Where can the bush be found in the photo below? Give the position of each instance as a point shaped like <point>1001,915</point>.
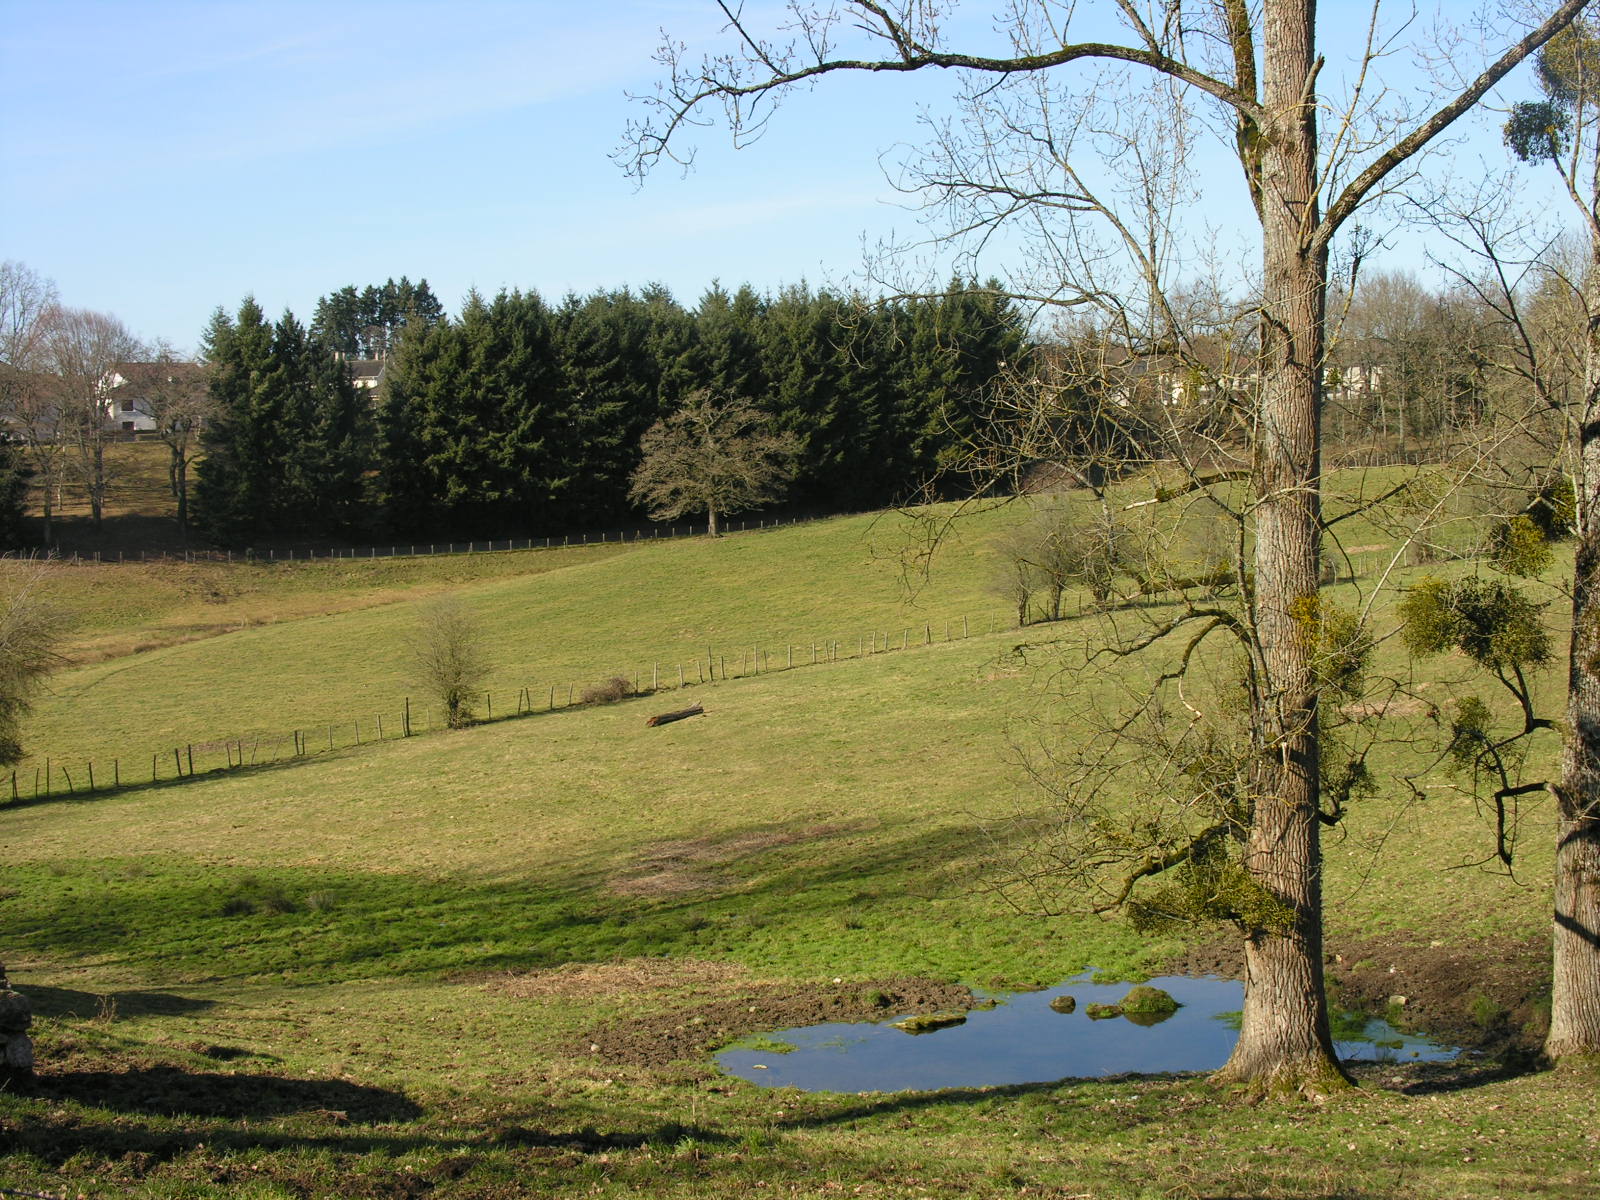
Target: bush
<point>608,691</point>
<point>450,659</point>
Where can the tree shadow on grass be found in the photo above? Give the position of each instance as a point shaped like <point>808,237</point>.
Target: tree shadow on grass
<point>227,923</point>
<point>886,1103</point>
<point>68,1002</point>
<point>1433,1078</point>
<point>168,1091</point>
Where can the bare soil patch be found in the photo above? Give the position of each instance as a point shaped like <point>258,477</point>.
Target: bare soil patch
<point>577,981</point>
<point>681,867</point>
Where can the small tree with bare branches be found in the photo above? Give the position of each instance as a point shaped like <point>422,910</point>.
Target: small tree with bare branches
<point>450,658</point>
<point>30,632</point>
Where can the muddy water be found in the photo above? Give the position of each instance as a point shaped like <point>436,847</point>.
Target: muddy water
<point>1023,1040</point>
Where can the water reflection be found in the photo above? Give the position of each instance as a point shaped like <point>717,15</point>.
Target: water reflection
<point>1023,1040</point>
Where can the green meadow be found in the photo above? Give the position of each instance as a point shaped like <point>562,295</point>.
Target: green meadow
<point>383,970</point>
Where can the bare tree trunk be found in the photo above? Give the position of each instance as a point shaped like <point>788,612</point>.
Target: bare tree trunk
<point>97,480</point>
<point>1575,1000</point>
<point>180,489</point>
<point>711,521</point>
<point>1284,1040</point>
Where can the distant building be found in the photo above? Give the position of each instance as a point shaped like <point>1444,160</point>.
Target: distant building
<point>128,407</point>
<point>366,373</point>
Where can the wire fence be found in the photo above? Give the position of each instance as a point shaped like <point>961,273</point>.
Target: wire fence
<point>53,777</point>
<point>316,552</point>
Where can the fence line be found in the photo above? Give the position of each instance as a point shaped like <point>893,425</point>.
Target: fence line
<point>260,750</point>
<point>394,549</point>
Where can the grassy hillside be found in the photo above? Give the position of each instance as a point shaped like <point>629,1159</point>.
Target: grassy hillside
<point>311,644</point>
<point>384,971</point>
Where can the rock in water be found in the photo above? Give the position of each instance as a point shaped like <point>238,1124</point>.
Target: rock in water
<point>928,1022</point>
<point>1147,999</point>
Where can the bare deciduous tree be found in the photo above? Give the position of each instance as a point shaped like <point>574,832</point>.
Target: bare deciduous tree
<point>1251,72</point>
<point>712,456</point>
<point>27,403</point>
<point>82,351</point>
<point>176,395</point>
<point>1546,297</point>
<point>450,658</point>
<point>30,632</point>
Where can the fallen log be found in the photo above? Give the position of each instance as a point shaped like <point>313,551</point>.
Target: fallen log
<point>669,717</point>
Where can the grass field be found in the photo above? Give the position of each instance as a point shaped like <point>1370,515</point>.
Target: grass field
<point>380,971</point>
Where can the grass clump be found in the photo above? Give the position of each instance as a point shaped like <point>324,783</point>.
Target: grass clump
<point>1147,999</point>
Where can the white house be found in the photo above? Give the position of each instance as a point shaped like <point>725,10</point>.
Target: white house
<point>127,407</point>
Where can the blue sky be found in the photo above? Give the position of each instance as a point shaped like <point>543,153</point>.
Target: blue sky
<point>160,159</point>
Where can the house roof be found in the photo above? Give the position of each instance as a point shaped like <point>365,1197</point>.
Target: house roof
<point>365,370</point>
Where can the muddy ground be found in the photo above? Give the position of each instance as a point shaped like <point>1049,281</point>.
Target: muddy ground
<point>1488,995</point>
<point>725,1003</point>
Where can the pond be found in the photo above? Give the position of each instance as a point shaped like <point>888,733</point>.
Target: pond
<point>1023,1040</point>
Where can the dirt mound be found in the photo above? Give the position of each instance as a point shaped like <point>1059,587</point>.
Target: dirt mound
<point>712,1021</point>
<point>1489,994</point>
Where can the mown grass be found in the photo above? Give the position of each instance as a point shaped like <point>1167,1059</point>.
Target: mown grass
<point>287,980</point>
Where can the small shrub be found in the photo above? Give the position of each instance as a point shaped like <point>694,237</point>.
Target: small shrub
<point>450,658</point>
<point>608,691</point>
<point>320,901</point>
<point>1485,1012</point>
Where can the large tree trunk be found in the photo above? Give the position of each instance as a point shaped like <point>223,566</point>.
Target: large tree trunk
<point>1575,999</point>
<point>1284,1041</point>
